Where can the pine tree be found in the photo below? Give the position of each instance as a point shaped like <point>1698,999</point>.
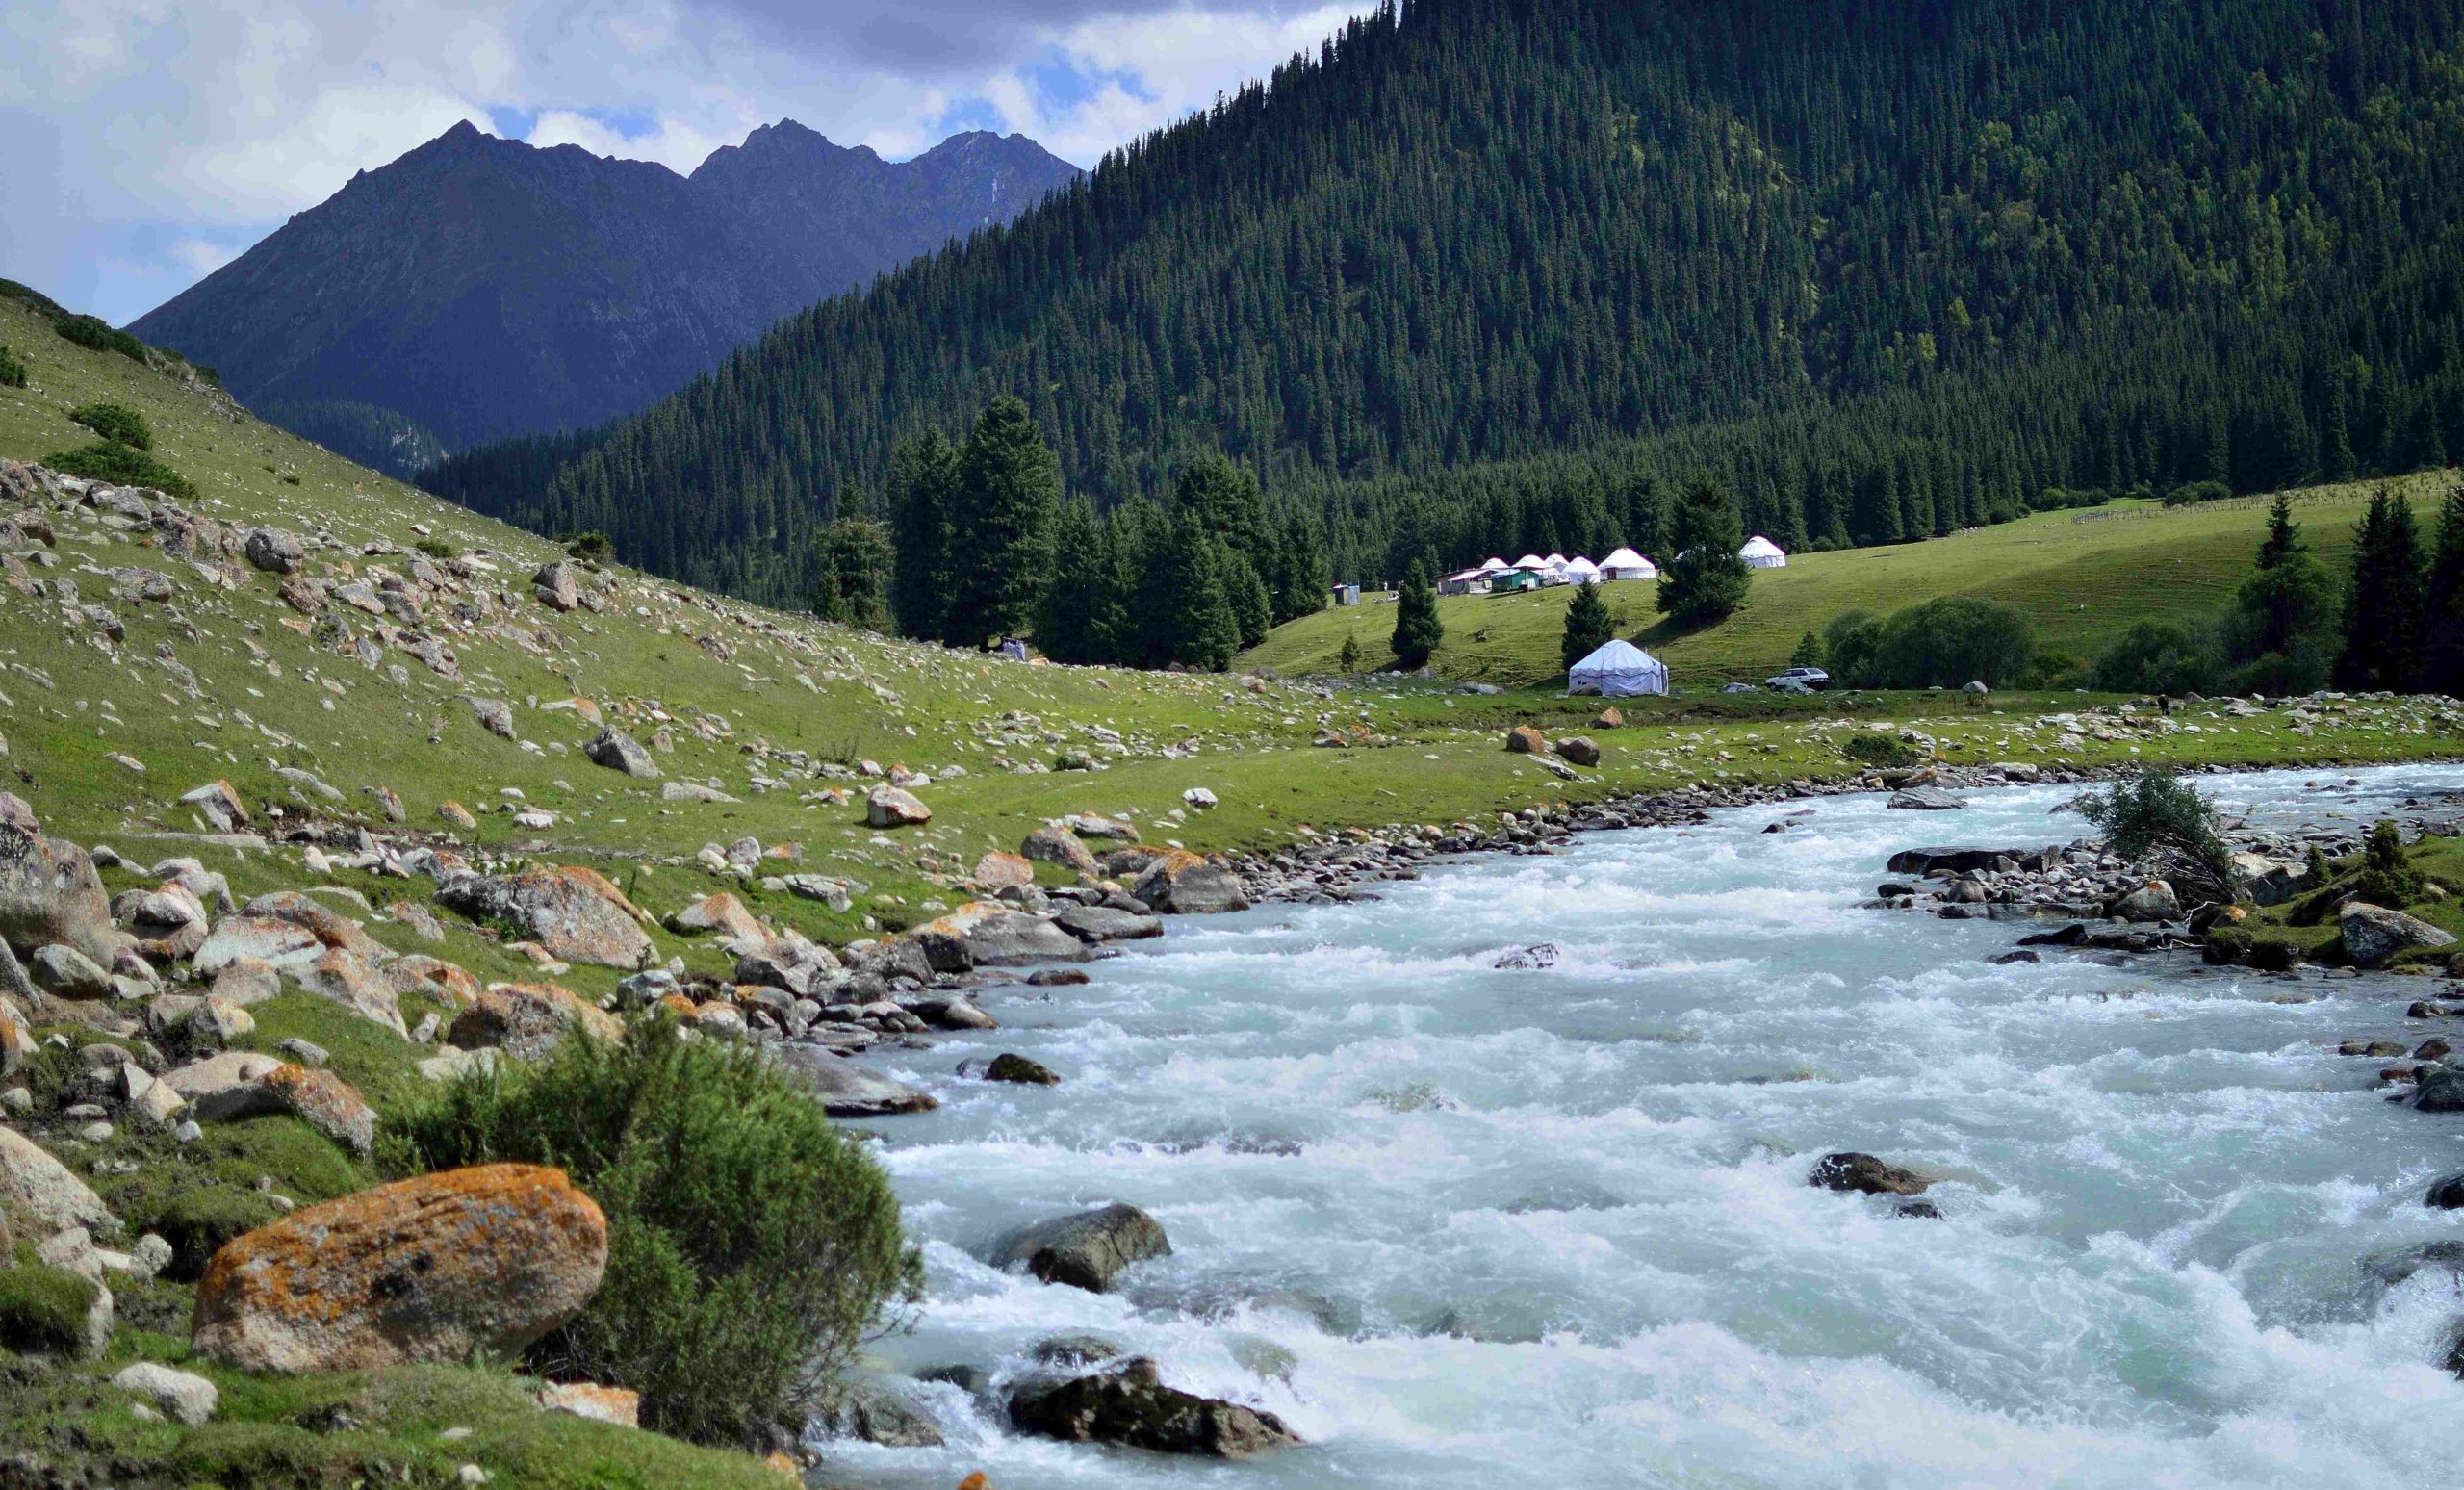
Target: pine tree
<point>2336,461</point>
<point>1071,622</point>
<point>2288,598</point>
<point>852,565</point>
<point>1589,626</point>
<point>1809,653</point>
<point>1252,608</point>
<point>923,484</point>
<point>2383,605</point>
<point>1417,629</point>
<point>2443,606</point>
<point>1707,581</point>
<point>1009,489</point>
<point>1349,659</point>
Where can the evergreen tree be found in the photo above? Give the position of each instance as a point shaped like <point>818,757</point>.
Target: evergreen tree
<point>2288,601</point>
<point>1009,489</point>
<point>1306,577</point>
<point>1809,653</point>
<point>1589,626</point>
<point>923,485</point>
<point>1071,622</point>
<point>2383,605</point>
<point>853,569</point>
<point>1705,581</point>
<point>2443,606</point>
<point>1349,659</point>
<point>2336,461</point>
<point>1417,627</point>
<point>1252,608</point>
<point>1187,617</point>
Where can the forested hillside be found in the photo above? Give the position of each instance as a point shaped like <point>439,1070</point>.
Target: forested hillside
<point>1488,276</point>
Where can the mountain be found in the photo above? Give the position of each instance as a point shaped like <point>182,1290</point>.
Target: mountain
<point>480,287</point>
<point>1475,269</point>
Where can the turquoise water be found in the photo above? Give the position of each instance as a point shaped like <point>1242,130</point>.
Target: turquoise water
<point>1551,1229</point>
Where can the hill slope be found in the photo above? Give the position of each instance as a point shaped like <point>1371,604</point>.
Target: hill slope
<point>478,288</point>
<point>1889,270</point>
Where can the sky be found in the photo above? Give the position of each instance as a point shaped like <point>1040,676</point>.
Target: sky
<point>150,141</point>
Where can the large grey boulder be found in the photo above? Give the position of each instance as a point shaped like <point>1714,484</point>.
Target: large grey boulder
<point>577,914</point>
<point>2441,1090</point>
<point>36,1188</point>
<point>275,550</point>
<point>1087,1250</point>
<point>1059,846</point>
<point>49,892</point>
<point>184,1397</point>
<point>618,751</point>
<point>844,1089</point>
<point>2267,882</point>
<point>1103,923</point>
<point>894,807</point>
<point>554,588</point>
<point>1182,884</point>
<point>2153,901</point>
<point>2373,934</point>
<point>1926,799</point>
<point>986,934</point>
<point>1129,1407</point>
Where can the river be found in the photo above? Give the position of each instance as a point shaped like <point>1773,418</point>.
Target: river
<point>1550,1229</point>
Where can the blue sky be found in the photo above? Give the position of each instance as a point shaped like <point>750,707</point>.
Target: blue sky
<point>152,140</point>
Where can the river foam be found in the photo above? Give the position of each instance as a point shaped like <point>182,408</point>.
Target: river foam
<point>1550,1229</point>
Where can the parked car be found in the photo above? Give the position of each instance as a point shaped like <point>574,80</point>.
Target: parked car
<point>1795,678</point>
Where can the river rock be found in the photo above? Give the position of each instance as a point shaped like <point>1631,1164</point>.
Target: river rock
<point>1129,1407</point>
<point>50,895</point>
<point>1026,1072</point>
<point>998,870</point>
<point>894,807</point>
<point>846,1090</point>
<point>1087,1250</point>
<point>879,1413</point>
<point>1103,923</point>
<point>2448,1194</point>
<point>1865,1174</point>
<point>2373,934</point>
<point>435,1269</point>
<point>184,1397</point>
<point>987,934</point>
<point>578,914</point>
<point>1925,799</point>
<point>1182,884</point>
<point>2441,1090</point>
<point>618,751</point>
<point>618,1407</point>
<point>526,1019</point>
<point>2267,882</point>
<point>2153,901</point>
<point>37,1189</point>
<point>1059,846</point>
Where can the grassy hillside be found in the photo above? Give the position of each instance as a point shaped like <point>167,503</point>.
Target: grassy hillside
<point>2084,578</point>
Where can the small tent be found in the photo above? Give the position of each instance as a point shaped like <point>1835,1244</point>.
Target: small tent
<point>1531,564</point>
<point>1619,670</point>
<point>1581,571</point>
<point>1760,552</point>
<point>1626,564</point>
<point>1493,566</point>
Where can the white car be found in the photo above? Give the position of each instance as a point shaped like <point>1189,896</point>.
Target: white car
<point>1795,678</point>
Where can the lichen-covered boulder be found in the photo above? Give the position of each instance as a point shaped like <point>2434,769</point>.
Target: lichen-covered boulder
<point>578,914</point>
<point>321,1100</point>
<point>998,870</point>
<point>987,934</point>
<point>49,893</point>
<point>40,1192</point>
<point>1179,882</point>
<point>1059,846</point>
<point>433,977</point>
<point>894,807</point>
<point>2373,934</point>
<point>526,1019</point>
<point>1526,740</point>
<point>276,550</point>
<point>426,1270</point>
<point>288,931</point>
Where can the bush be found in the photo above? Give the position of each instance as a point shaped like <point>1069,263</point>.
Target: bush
<point>2157,657</point>
<point>593,544</point>
<point>752,1247</point>
<point>107,460</point>
<point>1875,748</point>
<point>2190,493</point>
<point>435,549</point>
<point>42,1309</point>
<point>2153,808</point>
<point>1954,640</point>
<point>2387,876</point>
<point>100,335</point>
<point>1853,641</point>
<point>13,372</point>
<point>114,422</point>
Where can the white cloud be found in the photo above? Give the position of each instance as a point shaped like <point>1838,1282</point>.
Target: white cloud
<point>677,147</point>
<point>198,258</point>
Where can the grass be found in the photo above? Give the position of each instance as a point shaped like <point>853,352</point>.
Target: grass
<point>2083,578</point>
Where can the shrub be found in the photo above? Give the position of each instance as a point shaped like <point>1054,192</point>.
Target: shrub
<point>13,372</point>
<point>752,1247</point>
<point>2157,657</point>
<point>100,335</point>
<point>1875,748</point>
<point>1954,640</point>
<point>2387,876</point>
<point>1349,659</point>
<point>2153,808</point>
<point>109,460</point>
<point>593,544</point>
<point>42,1309</point>
<point>434,547</point>
<point>114,422</point>
<point>1853,640</point>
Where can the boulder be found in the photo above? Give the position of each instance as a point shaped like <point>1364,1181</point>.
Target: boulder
<point>39,1189</point>
<point>618,751</point>
<point>799,968</point>
<point>50,895</point>
<point>495,715</point>
<point>1094,825</point>
<point>2153,901</point>
<point>246,980</point>
<point>1925,799</point>
<point>430,977</point>
<point>1609,719</point>
<point>1087,1250</point>
<point>2447,1195</point>
<point>64,972</point>
<point>341,977</point>
<point>1129,1407</point>
<point>621,1406</point>
<point>275,550</point>
<point>879,1413</point>
<point>894,807</point>
<point>183,1396</point>
<point>998,870</point>
<point>2267,882</point>
<point>721,913</point>
<point>846,1090</point>
<point>1865,1174</point>
<point>219,803</point>
<point>1182,884</point>
<point>1059,846</point>
<point>987,934</point>
<point>1581,750</point>
<point>288,931</point>
<point>555,587</point>
<point>2440,1090</point>
<point>1923,861</point>
<point>1526,740</point>
<point>2373,934</point>
<point>321,1100</point>
<point>1013,1067</point>
<point>526,1019</point>
<point>1103,923</point>
<point>436,1268</point>
<point>575,913</point>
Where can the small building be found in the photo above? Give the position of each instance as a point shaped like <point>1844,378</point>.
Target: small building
<point>1760,552</point>
<point>1495,566</point>
<point>1626,564</point>
<point>1470,582</point>
<point>1517,579</point>
<point>1619,670</point>
<point>1346,594</point>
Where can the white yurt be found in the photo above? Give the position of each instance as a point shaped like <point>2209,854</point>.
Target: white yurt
<point>1495,566</point>
<point>1531,561</point>
<point>1619,670</point>
<point>1581,571</point>
<point>1626,564</point>
<point>1760,552</point>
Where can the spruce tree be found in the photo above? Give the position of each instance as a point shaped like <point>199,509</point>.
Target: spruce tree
<point>1809,653</point>
<point>1417,627</point>
<point>2443,607</point>
<point>1069,622</point>
<point>1349,659</point>
<point>923,483</point>
<point>1009,489</point>
<point>851,567</point>
<point>2282,606</point>
<point>2383,605</point>
<point>1252,608</point>
<point>1705,581</point>
<point>1589,626</point>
